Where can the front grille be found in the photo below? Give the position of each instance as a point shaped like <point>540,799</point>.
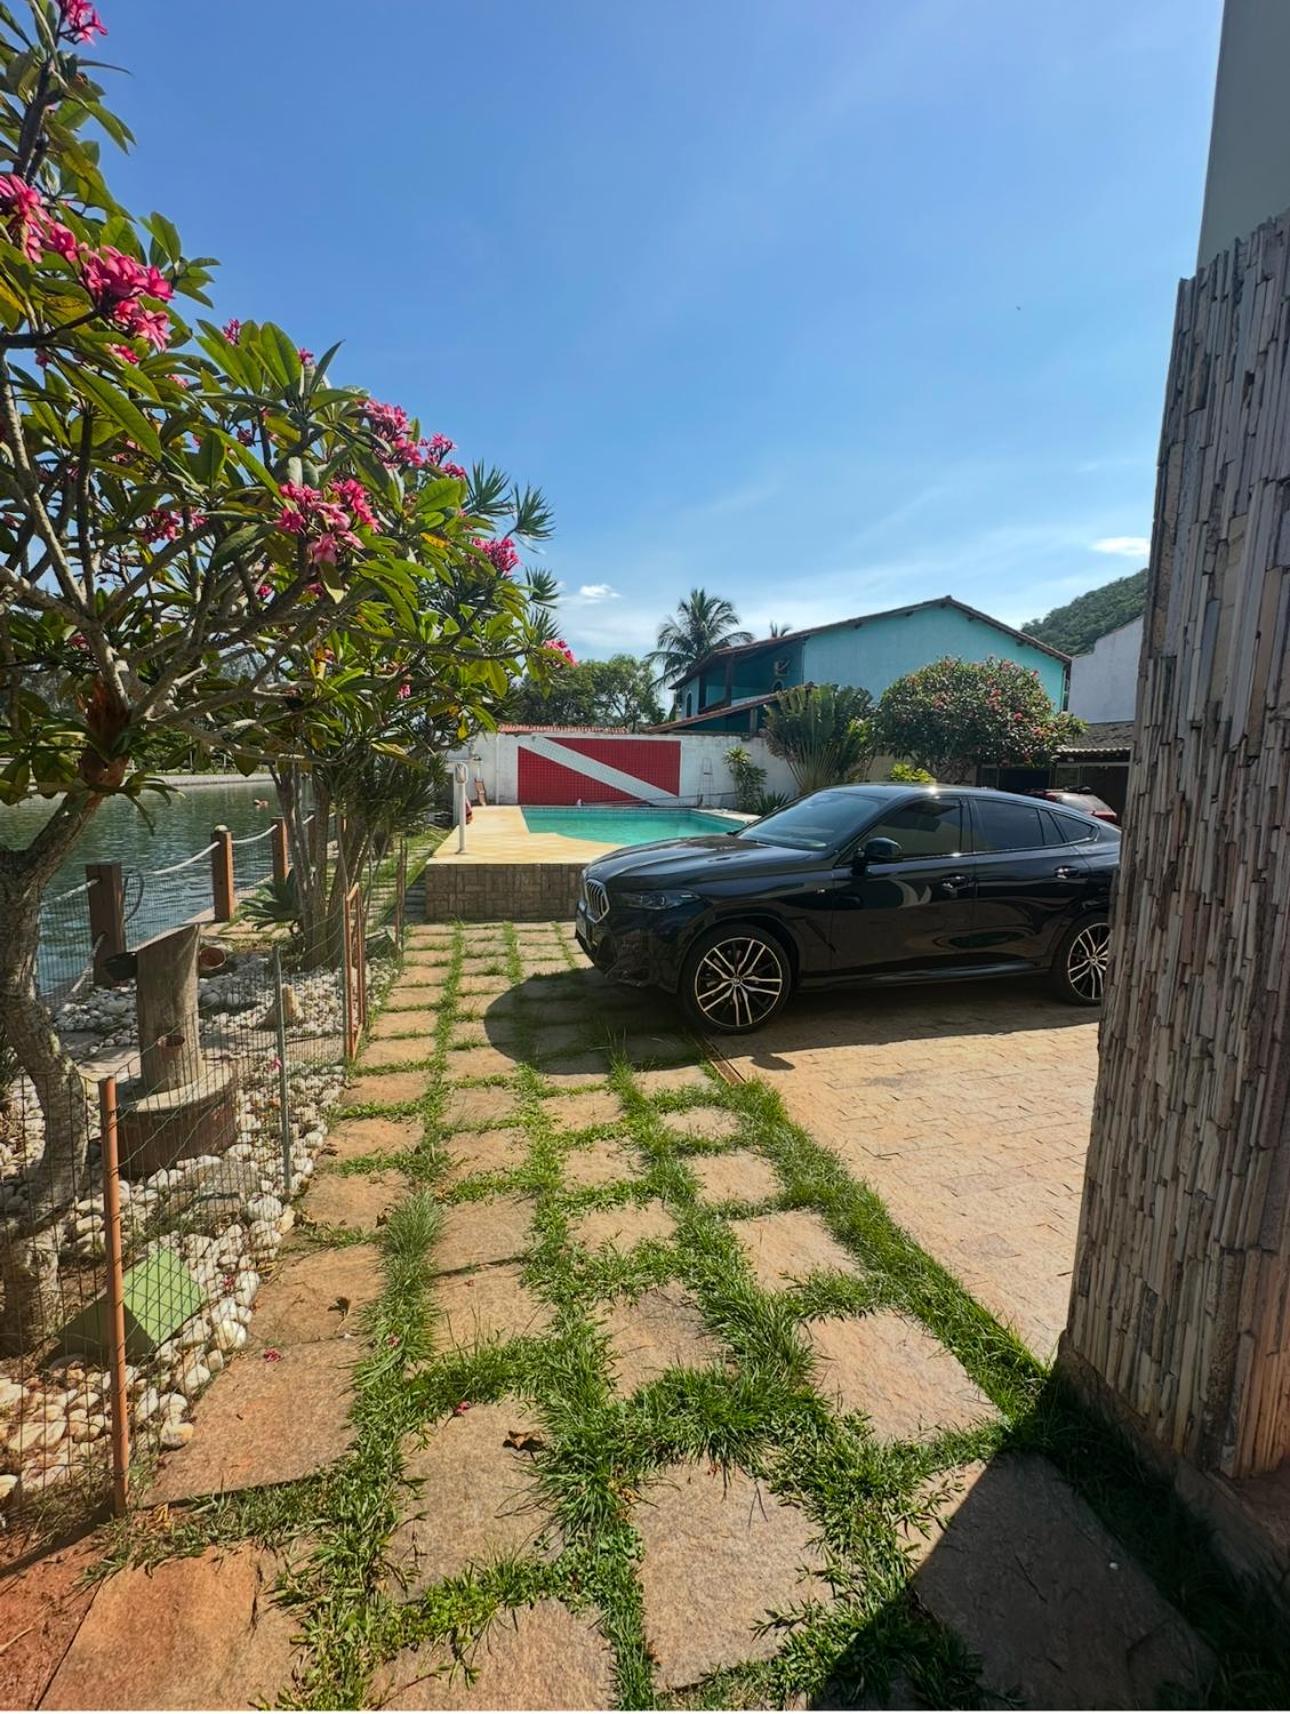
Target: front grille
<point>595,898</point>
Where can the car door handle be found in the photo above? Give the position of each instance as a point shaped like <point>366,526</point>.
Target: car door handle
<point>1066,872</point>
<point>952,883</point>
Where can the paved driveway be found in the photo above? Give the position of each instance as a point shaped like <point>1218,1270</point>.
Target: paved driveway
<point>967,1109</point>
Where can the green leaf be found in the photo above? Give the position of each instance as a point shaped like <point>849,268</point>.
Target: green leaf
<point>166,235</point>
<point>114,403</point>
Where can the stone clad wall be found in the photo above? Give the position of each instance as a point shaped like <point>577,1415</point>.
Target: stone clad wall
<point>1181,1299</point>
<point>501,892</point>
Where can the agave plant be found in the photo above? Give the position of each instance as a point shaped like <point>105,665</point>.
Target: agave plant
<point>824,732</point>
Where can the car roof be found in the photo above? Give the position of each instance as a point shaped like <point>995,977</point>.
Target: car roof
<point>938,788</point>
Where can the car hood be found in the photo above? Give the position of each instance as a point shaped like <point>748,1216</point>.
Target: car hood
<point>682,862</point>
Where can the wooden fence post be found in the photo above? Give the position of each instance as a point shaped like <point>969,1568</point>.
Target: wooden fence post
<point>107,917</point>
<point>278,844</point>
<point>223,890</point>
<point>119,1392</point>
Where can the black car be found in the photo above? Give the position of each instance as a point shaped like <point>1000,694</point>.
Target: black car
<point>857,884</point>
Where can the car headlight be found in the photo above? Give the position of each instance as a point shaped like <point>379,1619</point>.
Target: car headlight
<point>656,901</point>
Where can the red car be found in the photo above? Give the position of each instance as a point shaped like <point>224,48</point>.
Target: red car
<point>1089,802</point>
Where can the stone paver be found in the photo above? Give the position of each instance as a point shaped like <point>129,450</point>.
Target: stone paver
<point>576,1071</point>
<point>483,1151</point>
<point>891,1368</point>
<point>351,1139</point>
<point>623,1227</point>
<point>473,1496</point>
<point>387,1089</point>
<point>542,1656</point>
<point>415,998</point>
<point>190,1633</point>
<point>405,1026</point>
<point>487,1305</point>
<point>671,1080</point>
<point>475,1234</point>
<point>740,1176</point>
<point>396,1050</point>
<point>1059,1614</point>
<point>318,1295</point>
<point>967,1109</point>
<point>357,1199</point>
<point>480,1107</point>
<point>712,1124</point>
<point>782,1249</point>
<point>662,1330</point>
<point>578,1112</point>
<point>270,1419</point>
<point>485,1059</point>
<point>721,1555</point>
<point>599,1164</point>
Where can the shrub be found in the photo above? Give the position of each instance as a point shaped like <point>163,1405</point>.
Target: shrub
<point>824,732</point>
<point>954,716</point>
<point>749,780</point>
<point>903,774</point>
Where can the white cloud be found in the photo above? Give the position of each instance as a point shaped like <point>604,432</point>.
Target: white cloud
<point>597,592</point>
<point>1125,547</point>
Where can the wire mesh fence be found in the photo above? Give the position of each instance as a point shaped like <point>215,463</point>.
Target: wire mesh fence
<point>143,1199</point>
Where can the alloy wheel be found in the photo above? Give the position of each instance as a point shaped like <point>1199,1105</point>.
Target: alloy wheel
<point>738,983</point>
<point>1086,961</point>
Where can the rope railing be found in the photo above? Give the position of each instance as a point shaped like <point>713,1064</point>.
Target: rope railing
<point>71,893</point>
<point>174,868</point>
<point>253,838</point>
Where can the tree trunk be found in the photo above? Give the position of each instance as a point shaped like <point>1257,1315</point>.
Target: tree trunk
<point>28,1258</point>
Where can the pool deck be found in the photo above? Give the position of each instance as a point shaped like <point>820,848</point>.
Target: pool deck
<point>498,834</point>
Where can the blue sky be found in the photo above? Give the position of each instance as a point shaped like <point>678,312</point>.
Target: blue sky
<point>824,304</point>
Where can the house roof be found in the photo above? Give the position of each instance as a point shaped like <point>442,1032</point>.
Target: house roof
<point>1101,737</point>
<point>715,708</point>
<point>765,643</point>
<point>567,726</point>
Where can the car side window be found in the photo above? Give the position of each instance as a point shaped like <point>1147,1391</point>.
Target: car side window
<point>1004,826</point>
<point>1065,830</point>
<point>923,830</point>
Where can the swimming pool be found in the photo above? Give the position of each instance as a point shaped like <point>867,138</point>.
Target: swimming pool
<point>614,825</point>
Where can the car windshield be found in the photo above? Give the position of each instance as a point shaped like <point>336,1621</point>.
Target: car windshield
<point>816,823</point>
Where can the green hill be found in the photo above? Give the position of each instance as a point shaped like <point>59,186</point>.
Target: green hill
<point>1075,627</point>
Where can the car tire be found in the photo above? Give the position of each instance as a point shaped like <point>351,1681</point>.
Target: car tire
<point>1079,970</point>
<point>735,980</point>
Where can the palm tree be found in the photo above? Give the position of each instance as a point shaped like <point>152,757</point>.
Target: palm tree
<point>701,623</point>
<point>779,630</point>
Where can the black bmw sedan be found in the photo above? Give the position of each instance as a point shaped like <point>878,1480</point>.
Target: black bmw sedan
<point>857,884</point>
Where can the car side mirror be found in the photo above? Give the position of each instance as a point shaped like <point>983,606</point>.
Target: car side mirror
<point>880,851</point>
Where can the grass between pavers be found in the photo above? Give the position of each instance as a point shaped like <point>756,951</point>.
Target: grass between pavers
<point>763,1413</point>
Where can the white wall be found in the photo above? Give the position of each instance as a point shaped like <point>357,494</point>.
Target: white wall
<point>1104,682</point>
<point>705,778</point>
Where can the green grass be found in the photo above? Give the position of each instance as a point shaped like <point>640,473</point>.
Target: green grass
<point>758,1409</point>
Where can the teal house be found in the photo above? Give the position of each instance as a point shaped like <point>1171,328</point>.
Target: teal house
<point>728,690</point>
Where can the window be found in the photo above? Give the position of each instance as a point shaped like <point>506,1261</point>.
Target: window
<point>1008,826</point>
<point>1065,830</point>
<point>928,829</point>
<point>689,705</point>
<point>821,822</point>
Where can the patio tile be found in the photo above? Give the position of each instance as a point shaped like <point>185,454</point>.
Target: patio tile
<point>576,1071</point>
<point>475,1234</point>
<point>740,1176</point>
<point>351,1139</point>
<point>483,1151</point>
<point>721,1555</point>
<point>661,1330</point>
<point>408,1025</point>
<point>579,1111</point>
<point>1056,1609</point>
<point>400,1050</point>
<point>784,1248</point>
<point>319,1294</point>
<point>712,1124</point>
<point>487,1305</point>
<point>599,1164</point>
<point>669,1080</point>
<point>625,1227</point>
<point>891,1368</point>
<point>470,1496</point>
<point>480,1108</point>
<point>482,1060</point>
<point>542,1656</point>
<point>201,1632</point>
<point>388,1089</point>
<point>360,1200</point>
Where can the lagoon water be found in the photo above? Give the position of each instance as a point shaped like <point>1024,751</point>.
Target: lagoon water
<point>181,825</point>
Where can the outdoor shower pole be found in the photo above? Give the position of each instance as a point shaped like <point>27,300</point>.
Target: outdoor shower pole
<point>461,774</point>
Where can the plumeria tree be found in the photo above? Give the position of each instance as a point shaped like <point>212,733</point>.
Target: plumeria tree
<point>954,716</point>
<point>204,540</point>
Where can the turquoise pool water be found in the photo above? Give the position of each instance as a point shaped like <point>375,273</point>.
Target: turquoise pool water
<point>613,826</point>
